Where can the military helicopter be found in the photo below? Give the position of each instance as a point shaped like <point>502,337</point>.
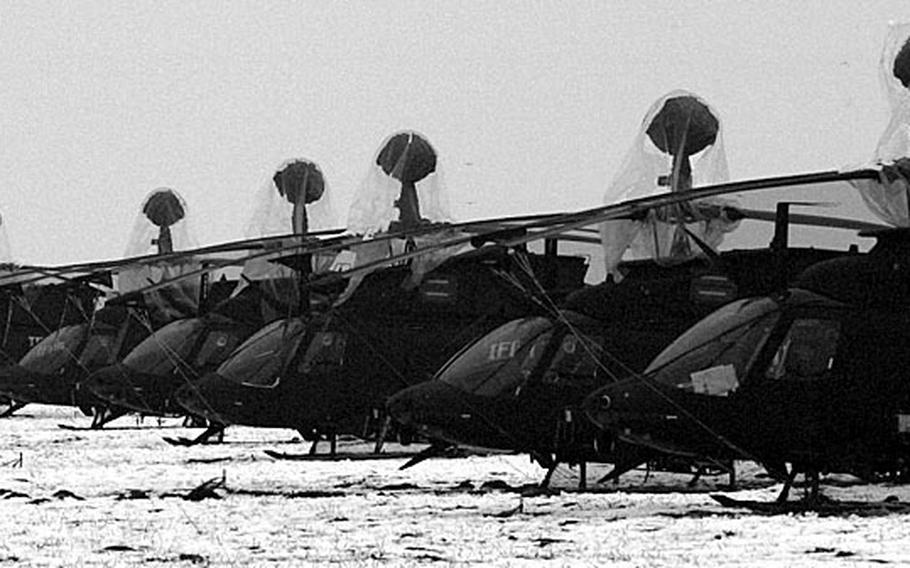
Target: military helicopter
<point>811,375</point>
<point>33,306</point>
<point>50,372</point>
<point>185,349</point>
<point>520,387</point>
<point>329,373</point>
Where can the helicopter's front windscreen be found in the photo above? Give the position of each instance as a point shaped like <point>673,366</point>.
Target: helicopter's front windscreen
<point>715,354</point>
<point>502,360</point>
<point>160,353</point>
<point>259,360</point>
<point>56,350</point>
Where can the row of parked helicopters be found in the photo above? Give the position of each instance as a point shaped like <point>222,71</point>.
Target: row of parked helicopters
<point>485,333</point>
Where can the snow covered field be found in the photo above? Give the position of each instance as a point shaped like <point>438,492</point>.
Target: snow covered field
<point>117,498</point>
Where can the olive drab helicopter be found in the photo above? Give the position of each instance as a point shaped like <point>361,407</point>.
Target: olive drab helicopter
<point>326,373</point>
<point>813,375</point>
<point>520,387</point>
<point>185,349</point>
<point>32,304</point>
<point>53,369</point>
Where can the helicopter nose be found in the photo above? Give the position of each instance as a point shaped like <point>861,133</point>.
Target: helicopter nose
<point>18,383</point>
<point>205,398</point>
<point>100,383</point>
<point>190,399</point>
<point>402,407</point>
<point>604,407</point>
<point>112,384</point>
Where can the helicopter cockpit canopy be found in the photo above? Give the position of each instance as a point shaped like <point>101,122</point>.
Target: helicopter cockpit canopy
<point>888,196</point>
<point>258,362</point>
<point>56,350</point>
<point>160,353</point>
<point>502,361</point>
<point>679,147</point>
<point>295,198</point>
<point>161,227</point>
<point>715,354</point>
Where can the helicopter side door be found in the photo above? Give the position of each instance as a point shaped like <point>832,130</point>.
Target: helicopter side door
<point>789,403</point>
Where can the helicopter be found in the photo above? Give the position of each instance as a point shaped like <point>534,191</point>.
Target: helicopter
<point>51,371</point>
<point>326,373</point>
<point>815,369</point>
<point>520,387</point>
<point>185,349</point>
<point>32,307</point>
<point>812,376</point>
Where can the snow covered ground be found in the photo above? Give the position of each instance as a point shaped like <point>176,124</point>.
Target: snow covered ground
<point>114,498</point>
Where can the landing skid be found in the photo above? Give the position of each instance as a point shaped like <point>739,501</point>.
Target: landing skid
<point>821,506</point>
<point>73,428</point>
<point>13,408</point>
<point>101,418</point>
<point>339,456</point>
<point>210,432</point>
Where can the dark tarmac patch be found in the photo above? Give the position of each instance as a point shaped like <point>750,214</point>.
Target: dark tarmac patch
<point>118,548</point>
<point>823,507</point>
<point>11,494</point>
<point>133,494</point>
<point>306,494</point>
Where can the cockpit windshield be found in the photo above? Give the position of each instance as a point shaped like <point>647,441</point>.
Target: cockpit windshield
<point>160,353</point>
<point>500,361</point>
<point>577,360</point>
<point>713,356</point>
<point>56,350</point>
<point>259,360</point>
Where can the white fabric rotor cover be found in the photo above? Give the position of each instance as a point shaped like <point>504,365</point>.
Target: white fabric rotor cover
<point>888,197</point>
<point>373,208</point>
<point>144,236</point>
<point>646,171</point>
<point>272,216</point>
<point>272,211</point>
<point>180,299</point>
<point>6,255</point>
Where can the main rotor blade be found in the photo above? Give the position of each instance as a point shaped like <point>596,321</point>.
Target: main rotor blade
<point>538,227</point>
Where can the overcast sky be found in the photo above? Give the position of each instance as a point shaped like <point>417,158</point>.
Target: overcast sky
<point>531,106</point>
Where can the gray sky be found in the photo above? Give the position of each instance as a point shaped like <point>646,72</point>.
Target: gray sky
<point>531,106</point>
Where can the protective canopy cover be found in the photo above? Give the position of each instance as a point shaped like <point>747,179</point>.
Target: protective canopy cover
<point>163,211</point>
<point>162,226</point>
<point>403,184</point>
<point>679,147</point>
<point>296,184</point>
<point>888,197</point>
<point>6,255</point>
<point>273,208</point>
<point>403,189</point>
